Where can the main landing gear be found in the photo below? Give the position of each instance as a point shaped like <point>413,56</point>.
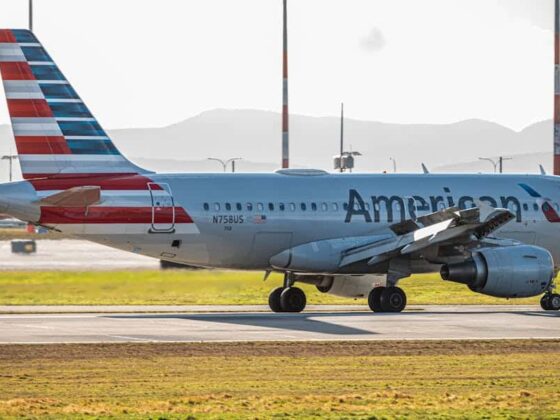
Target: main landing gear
<point>287,298</point>
<point>387,299</point>
<point>550,302</point>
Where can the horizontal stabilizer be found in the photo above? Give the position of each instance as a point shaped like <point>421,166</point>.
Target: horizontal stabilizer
<point>74,197</point>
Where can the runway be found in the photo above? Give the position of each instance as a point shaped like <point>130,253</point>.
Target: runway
<point>421,323</point>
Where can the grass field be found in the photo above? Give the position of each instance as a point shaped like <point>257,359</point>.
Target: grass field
<point>197,287</point>
<point>500,379</point>
<point>11,234</point>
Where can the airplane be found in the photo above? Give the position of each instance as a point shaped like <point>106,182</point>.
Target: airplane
<point>350,235</point>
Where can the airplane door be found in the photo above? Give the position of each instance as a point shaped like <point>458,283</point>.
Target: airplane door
<point>163,208</point>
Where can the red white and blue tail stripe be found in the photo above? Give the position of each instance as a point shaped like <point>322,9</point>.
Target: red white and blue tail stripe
<point>55,133</point>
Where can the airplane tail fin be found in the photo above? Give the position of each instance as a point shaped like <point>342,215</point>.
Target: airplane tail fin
<point>56,135</point>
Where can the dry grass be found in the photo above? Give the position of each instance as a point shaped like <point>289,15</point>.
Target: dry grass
<point>500,379</point>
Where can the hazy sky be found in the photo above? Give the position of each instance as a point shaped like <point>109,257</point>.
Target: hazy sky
<point>151,63</point>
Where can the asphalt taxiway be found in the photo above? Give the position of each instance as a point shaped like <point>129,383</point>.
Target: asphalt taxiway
<point>419,323</point>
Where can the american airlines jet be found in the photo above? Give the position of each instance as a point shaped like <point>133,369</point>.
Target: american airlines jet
<point>349,235</point>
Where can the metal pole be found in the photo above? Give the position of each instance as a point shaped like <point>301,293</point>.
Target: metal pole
<point>501,165</point>
<point>31,15</point>
<point>557,88</point>
<point>341,136</point>
<point>233,166</point>
<point>11,165</point>
<point>285,110</point>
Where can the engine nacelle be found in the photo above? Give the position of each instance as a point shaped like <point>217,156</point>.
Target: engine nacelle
<point>512,272</point>
<point>345,286</point>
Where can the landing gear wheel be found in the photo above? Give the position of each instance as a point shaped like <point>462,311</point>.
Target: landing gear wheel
<point>374,299</point>
<point>554,302</point>
<point>545,302</point>
<point>274,300</point>
<point>393,299</point>
<point>293,299</point>
<point>550,302</point>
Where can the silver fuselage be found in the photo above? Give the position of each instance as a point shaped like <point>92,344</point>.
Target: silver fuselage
<point>242,220</point>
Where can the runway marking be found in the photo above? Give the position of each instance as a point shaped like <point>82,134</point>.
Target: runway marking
<point>125,337</point>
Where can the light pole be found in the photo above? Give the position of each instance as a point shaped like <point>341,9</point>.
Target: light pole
<point>492,161</point>
<point>394,164</point>
<point>225,163</point>
<point>502,163</point>
<point>497,164</point>
<point>11,159</point>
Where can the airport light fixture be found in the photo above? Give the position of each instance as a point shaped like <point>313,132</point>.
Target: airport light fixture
<point>394,164</point>
<point>225,163</point>
<point>345,160</point>
<point>11,159</point>
<point>497,164</point>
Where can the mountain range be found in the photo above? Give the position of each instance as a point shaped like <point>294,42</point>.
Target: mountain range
<point>255,136</point>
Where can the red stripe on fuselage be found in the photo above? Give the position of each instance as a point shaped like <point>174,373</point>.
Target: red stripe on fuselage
<point>6,35</point>
<point>16,71</point>
<point>112,215</point>
<point>42,145</point>
<point>117,182</point>
<point>29,108</point>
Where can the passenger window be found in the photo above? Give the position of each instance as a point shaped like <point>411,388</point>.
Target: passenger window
<point>292,207</point>
<point>324,207</point>
<point>314,206</point>
<point>260,207</point>
<point>271,206</point>
<point>345,206</point>
<point>206,206</point>
<point>282,206</point>
<point>335,207</point>
<point>228,206</point>
<point>303,207</point>
<point>217,206</point>
<point>525,207</point>
<point>249,206</point>
<point>239,207</point>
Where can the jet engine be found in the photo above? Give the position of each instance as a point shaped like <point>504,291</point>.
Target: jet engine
<point>509,272</point>
<point>344,286</point>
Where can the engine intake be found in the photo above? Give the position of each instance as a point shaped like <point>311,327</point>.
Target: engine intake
<point>512,272</point>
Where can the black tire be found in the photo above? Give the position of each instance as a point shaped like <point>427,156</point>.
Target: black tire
<point>293,299</point>
<point>545,302</point>
<point>274,300</point>
<point>554,302</point>
<point>374,299</point>
<point>393,299</point>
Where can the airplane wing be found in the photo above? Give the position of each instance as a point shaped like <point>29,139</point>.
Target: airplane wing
<point>451,226</point>
<point>447,226</point>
